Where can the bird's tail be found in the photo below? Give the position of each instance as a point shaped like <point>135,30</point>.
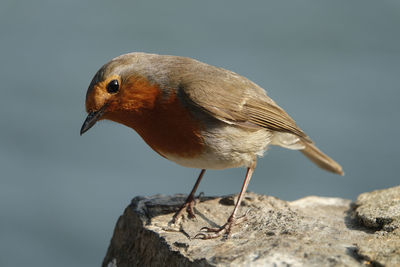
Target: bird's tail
<point>319,158</point>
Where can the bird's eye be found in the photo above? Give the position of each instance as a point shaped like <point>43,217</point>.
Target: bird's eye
<point>113,87</point>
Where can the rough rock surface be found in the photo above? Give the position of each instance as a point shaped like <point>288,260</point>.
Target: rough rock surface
<point>380,210</point>
<point>313,231</point>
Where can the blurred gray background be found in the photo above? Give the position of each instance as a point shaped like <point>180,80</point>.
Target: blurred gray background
<point>334,66</point>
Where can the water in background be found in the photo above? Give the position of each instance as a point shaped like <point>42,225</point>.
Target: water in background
<point>333,65</point>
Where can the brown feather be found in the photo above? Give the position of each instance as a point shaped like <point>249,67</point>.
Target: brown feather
<point>322,160</point>
<point>230,97</point>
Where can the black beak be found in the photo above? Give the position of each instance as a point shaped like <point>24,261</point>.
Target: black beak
<point>92,118</point>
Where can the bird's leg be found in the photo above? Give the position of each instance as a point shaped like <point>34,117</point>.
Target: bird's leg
<point>189,203</point>
<point>209,233</point>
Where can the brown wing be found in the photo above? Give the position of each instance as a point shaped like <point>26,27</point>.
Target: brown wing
<point>235,99</point>
<point>271,116</point>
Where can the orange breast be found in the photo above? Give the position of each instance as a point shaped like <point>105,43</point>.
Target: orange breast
<point>163,122</point>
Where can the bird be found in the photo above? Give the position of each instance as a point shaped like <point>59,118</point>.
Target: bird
<point>198,116</point>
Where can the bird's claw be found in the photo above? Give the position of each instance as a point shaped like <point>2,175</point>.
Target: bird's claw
<point>242,218</point>
<point>210,233</point>
<point>189,207</point>
<point>224,230</point>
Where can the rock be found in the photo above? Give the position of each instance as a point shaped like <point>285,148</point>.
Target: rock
<point>313,231</point>
<point>380,211</point>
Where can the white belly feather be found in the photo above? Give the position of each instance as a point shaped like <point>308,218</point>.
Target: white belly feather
<point>227,146</point>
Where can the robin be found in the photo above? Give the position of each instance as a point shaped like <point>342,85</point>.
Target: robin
<point>196,115</point>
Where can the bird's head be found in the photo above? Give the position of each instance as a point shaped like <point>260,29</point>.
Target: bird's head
<point>119,89</point>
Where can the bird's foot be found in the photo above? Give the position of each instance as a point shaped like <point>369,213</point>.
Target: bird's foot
<point>224,230</point>
<point>188,207</point>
